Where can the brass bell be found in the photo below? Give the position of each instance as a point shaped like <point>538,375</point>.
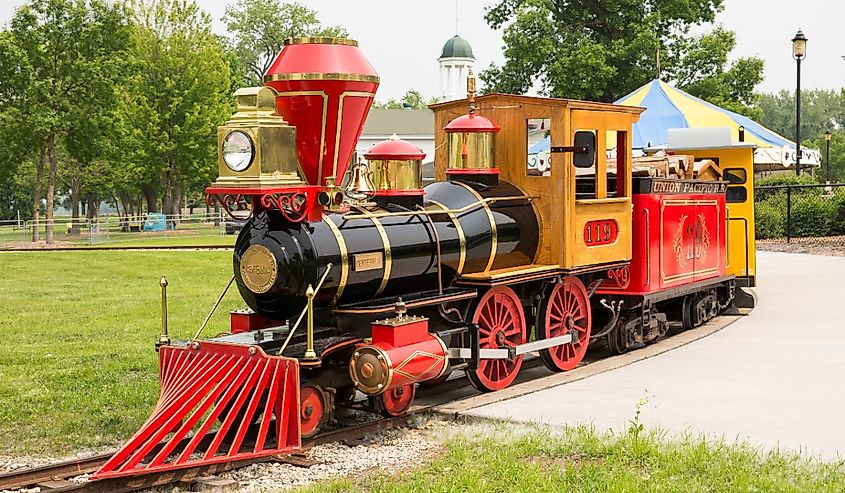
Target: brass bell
<point>361,185</point>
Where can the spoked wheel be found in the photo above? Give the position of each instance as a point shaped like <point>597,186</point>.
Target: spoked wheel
<point>566,310</point>
<point>501,323</point>
<point>394,402</point>
<point>312,409</point>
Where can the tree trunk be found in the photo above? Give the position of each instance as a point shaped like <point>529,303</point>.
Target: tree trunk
<point>36,194</point>
<point>51,186</point>
<point>89,200</point>
<point>75,185</point>
<point>150,196</point>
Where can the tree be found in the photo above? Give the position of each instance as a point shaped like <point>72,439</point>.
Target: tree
<point>172,104</point>
<point>837,156</point>
<point>68,48</point>
<point>258,29</point>
<point>599,50</point>
<point>412,99</point>
<point>820,110</point>
<point>699,66</point>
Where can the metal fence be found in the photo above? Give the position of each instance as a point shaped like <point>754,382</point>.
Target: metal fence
<point>800,213</point>
<point>174,230</point>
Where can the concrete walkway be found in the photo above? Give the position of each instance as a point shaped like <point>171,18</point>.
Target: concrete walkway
<point>775,378</point>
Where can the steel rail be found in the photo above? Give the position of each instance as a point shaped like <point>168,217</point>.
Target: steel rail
<point>67,469</point>
<point>76,467</point>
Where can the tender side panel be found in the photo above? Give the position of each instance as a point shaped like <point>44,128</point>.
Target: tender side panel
<point>678,235</point>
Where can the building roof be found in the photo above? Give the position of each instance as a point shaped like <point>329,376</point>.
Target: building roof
<point>383,122</point>
<point>457,47</point>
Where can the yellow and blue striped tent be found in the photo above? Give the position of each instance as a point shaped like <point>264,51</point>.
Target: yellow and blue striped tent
<point>668,107</point>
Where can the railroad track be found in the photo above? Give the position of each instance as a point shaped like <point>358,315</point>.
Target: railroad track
<point>53,478</point>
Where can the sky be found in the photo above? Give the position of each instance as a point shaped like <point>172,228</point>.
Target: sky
<point>402,38</point>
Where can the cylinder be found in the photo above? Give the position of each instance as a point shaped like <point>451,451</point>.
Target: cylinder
<point>375,254</point>
<point>379,367</point>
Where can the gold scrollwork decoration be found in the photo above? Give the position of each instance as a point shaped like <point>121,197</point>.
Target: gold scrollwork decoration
<point>293,206</point>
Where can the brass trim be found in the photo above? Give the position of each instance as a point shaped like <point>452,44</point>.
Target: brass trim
<point>343,95</point>
<point>382,355</point>
<point>388,257</point>
<point>445,352</point>
<point>417,212</point>
<point>694,202</point>
<point>461,238</point>
<point>494,240</point>
<point>258,268</point>
<point>323,76</point>
<point>322,40</point>
<point>344,257</point>
<point>415,378</point>
<point>322,128</point>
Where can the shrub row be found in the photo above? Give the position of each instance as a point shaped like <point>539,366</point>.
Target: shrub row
<point>814,211</point>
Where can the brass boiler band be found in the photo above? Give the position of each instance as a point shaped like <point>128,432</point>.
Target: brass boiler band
<point>376,253</point>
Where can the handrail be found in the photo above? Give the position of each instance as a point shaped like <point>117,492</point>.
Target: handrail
<point>213,308</point>
<point>305,310</point>
<point>488,200</point>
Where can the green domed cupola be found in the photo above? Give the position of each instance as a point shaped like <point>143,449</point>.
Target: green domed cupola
<point>457,47</point>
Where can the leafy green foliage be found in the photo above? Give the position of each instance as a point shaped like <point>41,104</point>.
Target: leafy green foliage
<point>176,96</point>
<point>258,29</point>
<point>60,60</point>
<point>813,211</point>
<point>412,99</point>
<point>598,50</point>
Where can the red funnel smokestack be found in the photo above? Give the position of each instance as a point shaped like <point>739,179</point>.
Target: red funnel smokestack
<point>326,87</point>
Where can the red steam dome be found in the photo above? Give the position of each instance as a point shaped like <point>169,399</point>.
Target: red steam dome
<point>394,148</point>
<point>471,123</point>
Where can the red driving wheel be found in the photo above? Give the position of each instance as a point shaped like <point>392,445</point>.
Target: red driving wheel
<point>395,402</point>
<point>501,323</point>
<point>312,409</point>
<point>566,310</point>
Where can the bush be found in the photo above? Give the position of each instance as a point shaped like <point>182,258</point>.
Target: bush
<point>839,211</point>
<point>812,215</point>
<point>785,179</point>
<point>770,217</point>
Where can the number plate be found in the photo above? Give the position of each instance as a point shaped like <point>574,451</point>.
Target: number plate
<point>601,232</point>
<point>367,261</point>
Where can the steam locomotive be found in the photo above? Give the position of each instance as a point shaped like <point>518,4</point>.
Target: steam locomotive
<point>382,285</point>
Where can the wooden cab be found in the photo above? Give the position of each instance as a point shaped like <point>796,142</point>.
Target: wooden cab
<point>585,212</point>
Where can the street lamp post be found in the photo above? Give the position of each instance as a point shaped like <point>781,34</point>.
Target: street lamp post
<point>799,50</point>
<point>827,153</point>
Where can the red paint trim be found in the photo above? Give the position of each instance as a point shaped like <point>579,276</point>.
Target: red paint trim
<point>471,123</point>
<point>471,171</point>
<point>394,149</point>
<point>400,193</point>
<point>600,232</point>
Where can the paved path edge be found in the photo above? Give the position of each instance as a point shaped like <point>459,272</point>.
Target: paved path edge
<point>461,406</point>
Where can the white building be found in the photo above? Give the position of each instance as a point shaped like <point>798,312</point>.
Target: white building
<point>456,60</point>
<point>417,126</point>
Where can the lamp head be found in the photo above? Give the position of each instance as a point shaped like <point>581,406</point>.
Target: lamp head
<point>799,45</point>
<point>827,135</point>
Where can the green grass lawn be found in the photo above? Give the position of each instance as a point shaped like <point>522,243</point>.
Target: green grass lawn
<point>582,460</point>
<point>77,362</point>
